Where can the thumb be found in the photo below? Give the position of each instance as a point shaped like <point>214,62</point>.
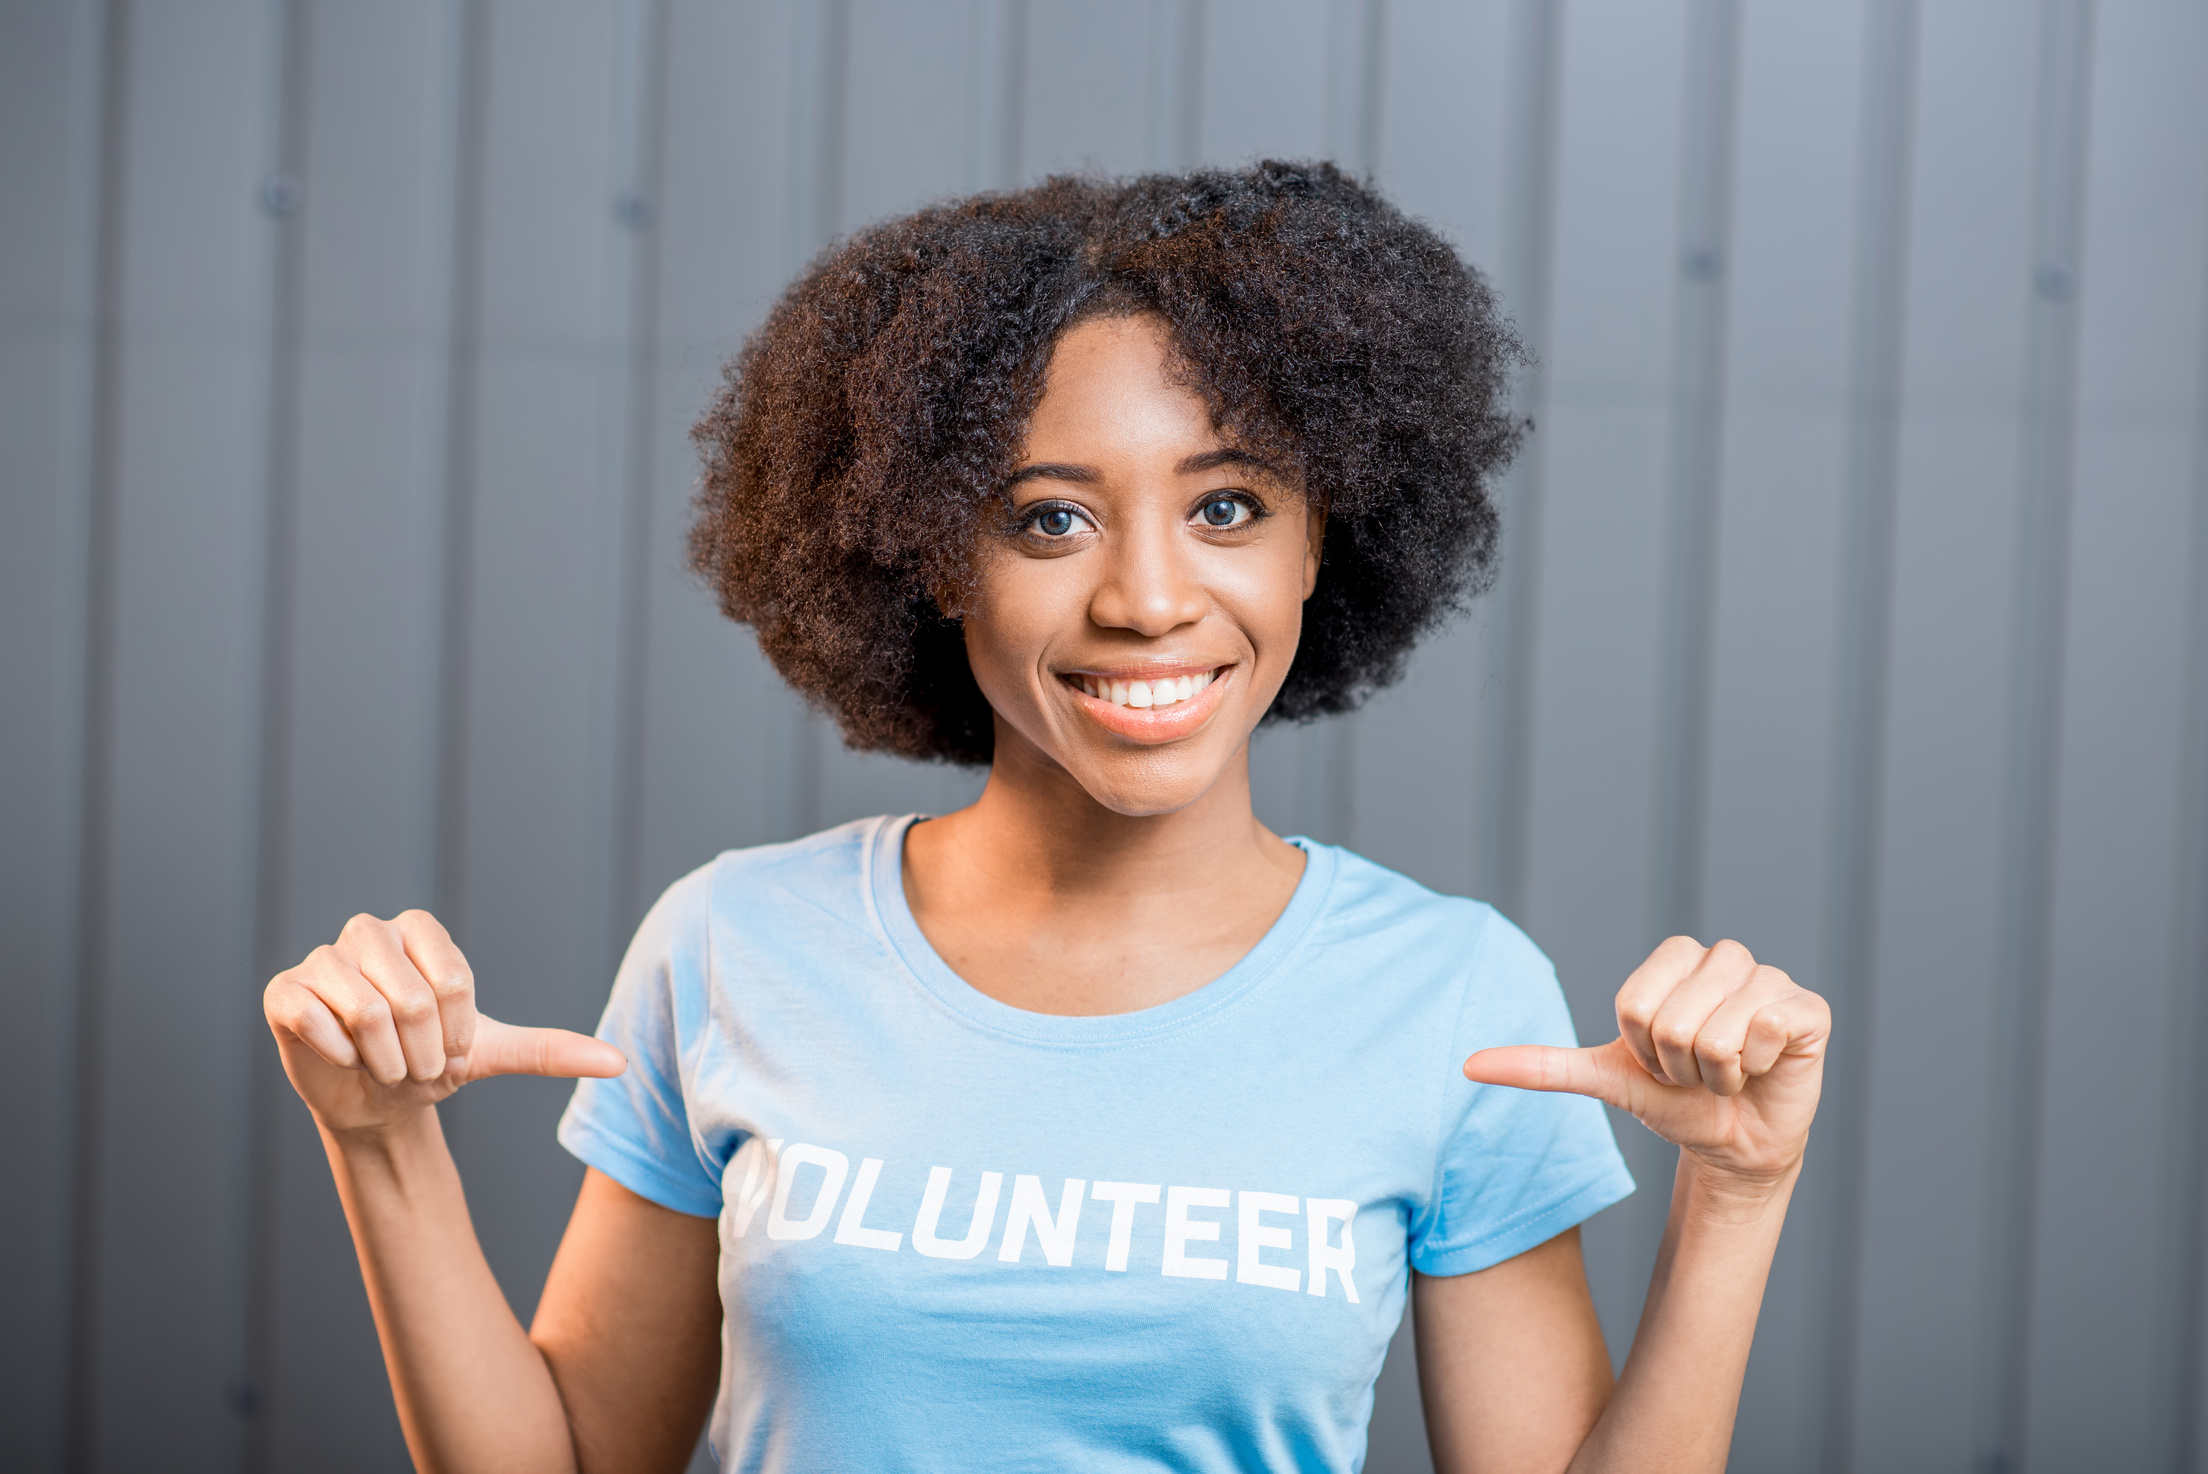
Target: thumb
<point>1607,1072</point>
<point>504,1049</point>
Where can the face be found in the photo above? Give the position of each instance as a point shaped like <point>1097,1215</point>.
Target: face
<point>1141,611</point>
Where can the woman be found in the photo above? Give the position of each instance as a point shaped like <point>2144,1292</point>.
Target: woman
<point>1091,1126</point>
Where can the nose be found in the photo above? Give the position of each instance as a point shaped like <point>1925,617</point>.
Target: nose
<point>1148,586</point>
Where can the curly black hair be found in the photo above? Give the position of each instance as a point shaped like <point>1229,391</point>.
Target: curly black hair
<point>863,438</point>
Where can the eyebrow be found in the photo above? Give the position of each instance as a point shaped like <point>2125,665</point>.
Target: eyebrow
<point>1089,475</point>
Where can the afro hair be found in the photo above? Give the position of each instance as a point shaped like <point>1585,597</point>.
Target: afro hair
<point>863,439</point>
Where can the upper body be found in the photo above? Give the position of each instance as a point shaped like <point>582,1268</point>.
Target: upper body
<point>1082,483</point>
<point>1177,1237</point>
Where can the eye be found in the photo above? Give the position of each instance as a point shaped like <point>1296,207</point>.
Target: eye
<point>1225,511</point>
<point>1056,520</point>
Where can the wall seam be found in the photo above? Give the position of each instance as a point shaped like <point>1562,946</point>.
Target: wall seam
<point>95,802</point>
<point>462,386</point>
<point>1884,178</point>
<point>282,197</point>
<point>2190,979</point>
<point>1695,461</point>
<point>1533,118</point>
<point>2033,761</point>
<point>632,675</point>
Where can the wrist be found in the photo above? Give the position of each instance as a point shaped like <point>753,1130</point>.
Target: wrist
<point>1731,1196</point>
<point>386,1141</point>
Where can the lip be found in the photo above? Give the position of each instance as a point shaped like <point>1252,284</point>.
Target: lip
<point>1154,725</point>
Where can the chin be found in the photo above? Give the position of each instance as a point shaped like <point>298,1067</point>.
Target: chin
<point>1147,785</point>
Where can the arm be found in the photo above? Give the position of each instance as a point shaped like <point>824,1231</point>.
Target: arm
<point>1724,1058</point>
<point>374,1031</point>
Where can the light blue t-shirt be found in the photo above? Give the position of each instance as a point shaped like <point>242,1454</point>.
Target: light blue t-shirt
<point>959,1235</point>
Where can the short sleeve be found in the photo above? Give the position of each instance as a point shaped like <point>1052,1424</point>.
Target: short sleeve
<point>1517,1167</point>
<point>636,1127</point>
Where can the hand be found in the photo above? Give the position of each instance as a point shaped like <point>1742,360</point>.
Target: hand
<point>382,1025</point>
<point>1715,1053</point>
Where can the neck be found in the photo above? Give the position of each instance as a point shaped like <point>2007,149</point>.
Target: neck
<point>1044,898</point>
<point>1036,830</point>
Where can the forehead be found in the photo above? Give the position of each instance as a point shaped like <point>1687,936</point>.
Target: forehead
<point>1109,387</point>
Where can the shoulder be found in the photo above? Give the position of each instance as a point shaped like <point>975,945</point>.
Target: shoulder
<point>827,871</point>
<point>1372,902</point>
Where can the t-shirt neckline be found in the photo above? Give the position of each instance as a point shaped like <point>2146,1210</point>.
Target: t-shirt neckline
<point>886,888</point>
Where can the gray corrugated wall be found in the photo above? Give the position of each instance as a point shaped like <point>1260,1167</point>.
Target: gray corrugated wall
<point>1855,605</point>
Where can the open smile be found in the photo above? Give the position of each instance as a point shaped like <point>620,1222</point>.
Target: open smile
<point>1154,707</point>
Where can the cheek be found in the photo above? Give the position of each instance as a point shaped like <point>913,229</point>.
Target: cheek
<point>1261,590</point>
<point>1015,610</point>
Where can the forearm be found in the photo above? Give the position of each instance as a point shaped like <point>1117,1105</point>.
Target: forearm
<point>1673,1409</point>
<point>473,1393</point>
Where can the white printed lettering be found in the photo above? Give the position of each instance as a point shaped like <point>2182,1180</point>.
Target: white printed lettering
<point>834,1166</point>
<point>759,1159</point>
<point>851,1229</point>
<point>931,1212</point>
<point>1251,1236</point>
<point>1179,1263</point>
<point>1122,1196</point>
<point>1324,1257</point>
<point>1054,1235</point>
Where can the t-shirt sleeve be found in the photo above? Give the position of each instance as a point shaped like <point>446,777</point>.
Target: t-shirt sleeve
<point>1517,1167</point>
<point>636,1127</point>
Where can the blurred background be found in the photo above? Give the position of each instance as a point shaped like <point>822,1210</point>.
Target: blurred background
<point>1855,605</point>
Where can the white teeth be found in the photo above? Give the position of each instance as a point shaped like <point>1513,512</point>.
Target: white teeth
<point>1164,691</point>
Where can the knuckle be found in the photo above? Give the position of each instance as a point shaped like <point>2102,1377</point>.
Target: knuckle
<point>1767,976</point>
<point>456,982</point>
<point>414,1007</point>
<point>361,925</point>
<point>1733,953</point>
<point>368,1011</point>
<point>1673,1038</point>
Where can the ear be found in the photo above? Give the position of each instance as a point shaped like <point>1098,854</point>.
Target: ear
<point>1314,524</point>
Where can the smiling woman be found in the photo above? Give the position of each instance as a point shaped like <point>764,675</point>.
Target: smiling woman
<point>1085,482</point>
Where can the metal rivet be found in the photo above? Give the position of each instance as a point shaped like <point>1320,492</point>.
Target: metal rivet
<point>282,195</point>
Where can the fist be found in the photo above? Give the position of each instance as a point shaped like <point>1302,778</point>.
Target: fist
<point>382,1024</point>
<point>1716,1053</point>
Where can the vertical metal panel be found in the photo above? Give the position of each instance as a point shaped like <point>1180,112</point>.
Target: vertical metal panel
<point>1524,265</point>
<point>1086,71</point>
<point>1594,684</point>
<point>2097,1387</point>
<point>540,605</point>
<point>50,143</point>
<point>1264,89</point>
<point>918,84</point>
<point>170,956</point>
<point>1771,559</point>
<point>354,818</point>
<point>718,722</point>
<point>1441,130</point>
<point>1960,428</point>
<point>1173,97</point>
